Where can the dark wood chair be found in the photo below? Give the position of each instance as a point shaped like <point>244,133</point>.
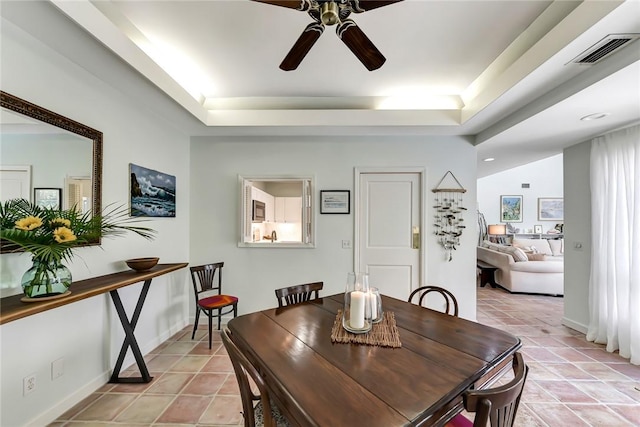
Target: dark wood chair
<point>450,300</point>
<point>299,293</point>
<point>253,415</point>
<point>497,405</point>
<point>207,287</point>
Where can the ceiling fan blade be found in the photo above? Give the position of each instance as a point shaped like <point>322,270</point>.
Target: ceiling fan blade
<point>302,46</point>
<point>360,45</point>
<point>302,5</point>
<point>359,6</point>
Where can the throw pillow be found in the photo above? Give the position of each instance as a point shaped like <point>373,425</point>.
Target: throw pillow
<point>535,257</point>
<point>517,254</point>
<point>542,245</point>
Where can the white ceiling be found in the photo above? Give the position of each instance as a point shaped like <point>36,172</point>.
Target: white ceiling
<point>496,70</point>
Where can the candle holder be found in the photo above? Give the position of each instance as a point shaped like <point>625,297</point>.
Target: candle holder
<point>356,316</point>
<point>376,305</point>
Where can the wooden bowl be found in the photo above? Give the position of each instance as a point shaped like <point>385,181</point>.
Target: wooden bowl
<point>142,264</point>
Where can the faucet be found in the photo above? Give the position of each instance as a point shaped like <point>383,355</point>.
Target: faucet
<point>274,236</point>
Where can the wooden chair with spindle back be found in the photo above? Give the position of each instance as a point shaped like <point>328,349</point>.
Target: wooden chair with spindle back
<point>253,415</point>
<point>498,405</point>
<point>450,300</point>
<point>299,293</point>
<point>207,286</point>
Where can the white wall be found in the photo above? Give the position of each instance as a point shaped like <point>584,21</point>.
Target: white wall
<point>577,261</point>
<point>52,157</point>
<point>87,334</point>
<point>546,180</point>
<point>254,273</point>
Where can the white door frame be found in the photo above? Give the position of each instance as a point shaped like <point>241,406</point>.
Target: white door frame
<point>356,204</point>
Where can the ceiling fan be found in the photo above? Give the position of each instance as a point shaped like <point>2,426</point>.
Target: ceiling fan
<point>332,12</point>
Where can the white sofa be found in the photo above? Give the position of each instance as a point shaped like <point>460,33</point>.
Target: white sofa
<point>519,272</point>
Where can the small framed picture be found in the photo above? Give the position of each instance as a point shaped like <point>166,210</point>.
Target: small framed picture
<point>511,208</point>
<point>47,197</point>
<point>537,229</point>
<point>335,201</point>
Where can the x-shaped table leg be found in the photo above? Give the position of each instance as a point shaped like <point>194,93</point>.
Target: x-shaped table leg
<point>130,339</point>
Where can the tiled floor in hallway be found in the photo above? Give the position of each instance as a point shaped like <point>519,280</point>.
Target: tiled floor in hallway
<point>571,382</point>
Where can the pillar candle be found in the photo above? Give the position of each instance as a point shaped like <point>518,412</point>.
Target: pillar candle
<point>356,318</point>
<point>374,305</point>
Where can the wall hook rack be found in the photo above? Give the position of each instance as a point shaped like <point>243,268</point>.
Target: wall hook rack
<point>449,224</point>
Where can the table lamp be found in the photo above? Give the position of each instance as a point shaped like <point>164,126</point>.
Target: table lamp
<point>497,229</point>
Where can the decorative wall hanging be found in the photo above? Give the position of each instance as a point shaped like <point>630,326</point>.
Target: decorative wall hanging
<point>153,193</point>
<point>449,223</point>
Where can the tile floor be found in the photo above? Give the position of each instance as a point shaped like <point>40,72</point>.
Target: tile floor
<point>571,382</point>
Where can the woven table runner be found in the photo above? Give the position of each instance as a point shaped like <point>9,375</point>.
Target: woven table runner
<point>384,333</point>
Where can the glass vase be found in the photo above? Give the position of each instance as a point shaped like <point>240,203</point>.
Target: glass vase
<point>376,305</point>
<point>46,279</point>
<point>356,316</point>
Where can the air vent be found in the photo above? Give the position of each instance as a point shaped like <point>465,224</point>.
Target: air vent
<point>604,48</point>
<point>526,185</point>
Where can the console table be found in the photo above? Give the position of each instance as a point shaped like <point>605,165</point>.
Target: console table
<point>12,308</point>
<point>487,273</point>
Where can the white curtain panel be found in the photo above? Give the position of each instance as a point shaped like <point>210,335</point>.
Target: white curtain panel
<point>614,285</point>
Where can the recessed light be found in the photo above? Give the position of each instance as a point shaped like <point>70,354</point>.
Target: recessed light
<point>594,116</point>
<point>488,159</point>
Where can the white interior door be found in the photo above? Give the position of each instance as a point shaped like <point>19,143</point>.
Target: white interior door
<point>15,182</point>
<point>388,215</point>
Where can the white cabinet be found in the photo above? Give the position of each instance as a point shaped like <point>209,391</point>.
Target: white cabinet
<point>288,209</point>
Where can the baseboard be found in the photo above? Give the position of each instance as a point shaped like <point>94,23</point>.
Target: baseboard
<point>50,415</point>
<point>47,417</point>
<point>575,325</point>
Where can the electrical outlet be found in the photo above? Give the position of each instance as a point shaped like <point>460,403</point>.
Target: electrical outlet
<point>346,244</point>
<point>57,368</point>
<point>28,384</point>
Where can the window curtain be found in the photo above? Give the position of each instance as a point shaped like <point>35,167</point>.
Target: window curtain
<point>614,285</point>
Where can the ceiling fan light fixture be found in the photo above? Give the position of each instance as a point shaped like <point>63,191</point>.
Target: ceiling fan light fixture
<point>329,13</point>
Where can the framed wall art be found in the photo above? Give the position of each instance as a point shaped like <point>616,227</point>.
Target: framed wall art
<point>511,208</point>
<point>335,201</point>
<point>49,198</point>
<point>153,193</point>
<point>550,209</point>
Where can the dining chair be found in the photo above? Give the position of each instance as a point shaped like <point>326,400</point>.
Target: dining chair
<point>498,405</point>
<point>244,370</point>
<point>450,300</point>
<point>207,287</point>
<point>299,293</point>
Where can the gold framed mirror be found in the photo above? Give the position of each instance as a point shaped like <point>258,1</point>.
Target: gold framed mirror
<point>78,135</point>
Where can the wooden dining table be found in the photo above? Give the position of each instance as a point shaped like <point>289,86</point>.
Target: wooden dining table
<point>317,382</point>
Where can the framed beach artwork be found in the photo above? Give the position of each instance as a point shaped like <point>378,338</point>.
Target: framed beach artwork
<point>511,208</point>
<point>550,209</point>
<point>153,193</point>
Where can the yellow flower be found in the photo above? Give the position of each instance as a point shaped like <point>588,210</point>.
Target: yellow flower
<point>63,235</point>
<point>29,223</point>
<point>60,222</point>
